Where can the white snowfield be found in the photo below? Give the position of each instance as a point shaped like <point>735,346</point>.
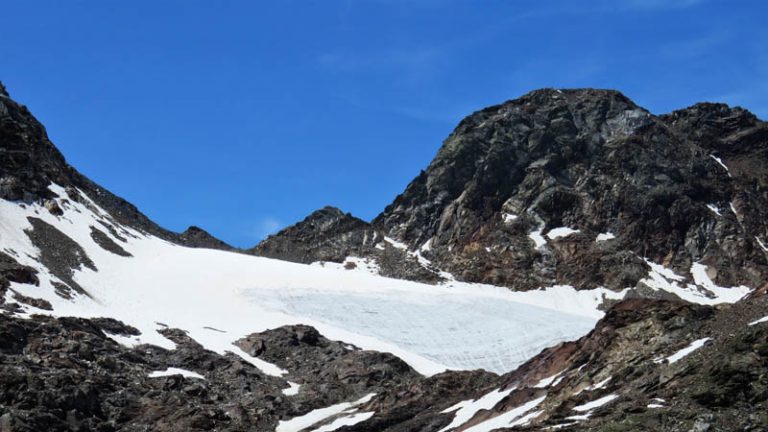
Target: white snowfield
<point>219,297</point>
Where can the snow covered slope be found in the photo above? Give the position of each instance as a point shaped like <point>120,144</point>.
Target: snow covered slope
<point>219,297</point>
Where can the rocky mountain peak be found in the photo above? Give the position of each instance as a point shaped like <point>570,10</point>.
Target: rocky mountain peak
<point>197,237</point>
<point>519,193</point>
<point>328,217</point>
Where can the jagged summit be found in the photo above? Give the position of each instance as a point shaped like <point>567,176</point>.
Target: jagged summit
<point>520,191</point>
<point>197,237</point>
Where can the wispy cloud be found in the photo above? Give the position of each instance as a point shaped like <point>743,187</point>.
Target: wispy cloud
<point>695,47</point>
<point>266,226</point>
<point>659,4</point>
<point>411,61</point>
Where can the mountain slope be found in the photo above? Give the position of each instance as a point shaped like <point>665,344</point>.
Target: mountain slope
<point>29,163</point>
<point>584,188</point>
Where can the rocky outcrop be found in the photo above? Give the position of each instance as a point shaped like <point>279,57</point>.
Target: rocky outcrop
<point>327,234</point>
<point>200,238</point>
<point>63,374</point>
<point>675,189</point>
<point>330,235</point>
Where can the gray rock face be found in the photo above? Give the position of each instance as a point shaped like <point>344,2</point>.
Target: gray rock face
<point>331,235</point>
<point>327,234</point>
<point>200,238</point>
<point>593,161</point>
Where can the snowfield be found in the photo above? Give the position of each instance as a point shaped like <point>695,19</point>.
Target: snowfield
<point>219,297</point>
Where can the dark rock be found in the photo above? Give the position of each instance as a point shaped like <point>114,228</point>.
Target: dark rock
<point>199,238</point>
<point>58,252</point>
<point>107,243</point>
<point>31,301</point>
<point>330,235</point>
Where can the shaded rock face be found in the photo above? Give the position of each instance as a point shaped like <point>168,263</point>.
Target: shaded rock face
<point>327,234</point>
<point>200,238</point>
<point>59,253</point>
<point>327,371</point>
<point>330,235</point>
<point>592,161</point>
<point>29,163</point>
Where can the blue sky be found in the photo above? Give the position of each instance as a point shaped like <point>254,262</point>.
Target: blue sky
<point>243,117</point>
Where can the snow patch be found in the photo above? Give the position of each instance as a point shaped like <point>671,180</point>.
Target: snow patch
<point>556,233</point>
<point>704,291</point>
<point>508,217</point>
<point>714,209</point>
<point>352,263</point>
<point>605,237</point>
<point>595,403</point>
<point>674,358</point>
<point>300,423</point>
<point>292,390</point>
<point>537,238</point>
<point>468,408</point>
<point>396,244</point>
<point>509,418</point>
<point>761,320</point>
<point>345,421</point>
<point>561,425</point>
<point>175,371</point>
<point>762,246</point>
<point>546,382</point>
<point>599,385</point>
<point>722,164</point>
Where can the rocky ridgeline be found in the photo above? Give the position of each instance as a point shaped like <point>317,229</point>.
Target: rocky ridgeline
<point>674,189</point>
<point>29,163</point>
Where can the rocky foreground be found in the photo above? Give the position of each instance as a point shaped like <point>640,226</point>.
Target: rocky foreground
<point>65,374</point>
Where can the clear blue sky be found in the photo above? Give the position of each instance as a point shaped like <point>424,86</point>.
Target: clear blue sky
<point>244,116</point>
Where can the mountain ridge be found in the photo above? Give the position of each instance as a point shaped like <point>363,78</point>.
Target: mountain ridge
<point>30,162</point>
<point>110,323</point>
<point>493,183</point>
